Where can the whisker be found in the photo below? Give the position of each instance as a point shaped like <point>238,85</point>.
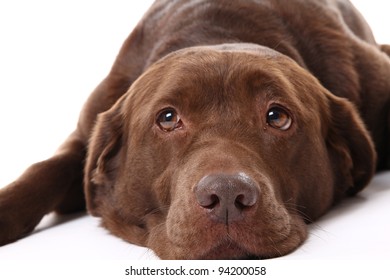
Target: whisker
<point>274,245</point>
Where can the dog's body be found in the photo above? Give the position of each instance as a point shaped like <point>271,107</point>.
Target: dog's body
<point>236,130</point>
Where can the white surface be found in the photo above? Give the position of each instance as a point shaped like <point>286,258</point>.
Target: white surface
<point>53,54</point>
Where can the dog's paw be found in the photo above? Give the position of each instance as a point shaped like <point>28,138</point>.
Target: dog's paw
<point>17,218</point>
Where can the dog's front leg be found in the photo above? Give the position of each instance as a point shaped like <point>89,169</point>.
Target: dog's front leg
<point>43,187</point>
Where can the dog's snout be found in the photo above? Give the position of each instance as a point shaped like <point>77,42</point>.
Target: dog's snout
<point>227,197</point>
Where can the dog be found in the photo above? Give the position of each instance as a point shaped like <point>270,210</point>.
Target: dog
<point>222,129</point>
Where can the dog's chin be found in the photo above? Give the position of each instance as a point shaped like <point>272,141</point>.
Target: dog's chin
<point>243,247</point>
<point>230,250</point>
<point>227,250</point>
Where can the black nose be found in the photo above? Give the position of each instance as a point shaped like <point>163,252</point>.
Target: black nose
<point>227,197</point>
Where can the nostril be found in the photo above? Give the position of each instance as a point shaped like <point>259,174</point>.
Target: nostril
<point>214,201</point>
<point>246,199</point>
<point>240,203</point>
<point>206,198</point>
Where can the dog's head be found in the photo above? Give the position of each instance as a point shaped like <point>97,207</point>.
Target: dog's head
<point>224,152</point>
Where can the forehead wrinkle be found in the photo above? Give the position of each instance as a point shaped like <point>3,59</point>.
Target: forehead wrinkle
<point>200,80</point>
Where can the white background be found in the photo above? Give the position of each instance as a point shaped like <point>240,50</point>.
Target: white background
<point>53,54</point>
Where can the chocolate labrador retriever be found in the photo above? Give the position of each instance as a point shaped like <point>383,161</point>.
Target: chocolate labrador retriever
<point>222,129</point>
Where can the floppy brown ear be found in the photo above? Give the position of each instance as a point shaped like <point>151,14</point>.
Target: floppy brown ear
<point>103,157</point>
<point>350,148</point>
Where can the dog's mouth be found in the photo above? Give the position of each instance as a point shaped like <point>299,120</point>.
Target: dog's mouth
<point>238,245</point>
<point>236,242</point>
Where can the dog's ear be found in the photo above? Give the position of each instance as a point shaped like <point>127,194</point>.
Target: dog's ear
<point>102,162</point>
<point>350,148</point>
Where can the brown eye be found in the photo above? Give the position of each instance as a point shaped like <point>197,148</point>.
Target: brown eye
<point>168,120</point>
<point>279,118</point>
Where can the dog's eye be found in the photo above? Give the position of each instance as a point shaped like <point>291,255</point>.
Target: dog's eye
<point>168,120</point>
<point>279,118</point>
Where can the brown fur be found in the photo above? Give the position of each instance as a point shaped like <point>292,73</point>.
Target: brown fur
<point>221,65</point>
